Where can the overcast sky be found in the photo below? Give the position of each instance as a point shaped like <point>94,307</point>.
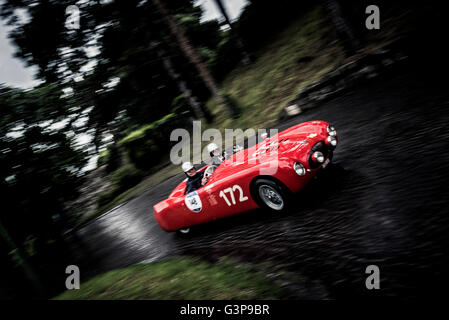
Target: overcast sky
<point>14,73</point>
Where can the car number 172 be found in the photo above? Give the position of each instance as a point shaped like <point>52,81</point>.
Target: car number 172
<point>231,191</point>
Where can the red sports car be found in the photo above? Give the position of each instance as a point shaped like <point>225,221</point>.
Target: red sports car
<point>261,176</point>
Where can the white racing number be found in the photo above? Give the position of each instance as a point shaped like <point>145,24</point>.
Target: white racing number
<point>231,191</point>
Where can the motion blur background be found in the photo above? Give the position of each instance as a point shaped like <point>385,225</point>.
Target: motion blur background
<point>86,113</point>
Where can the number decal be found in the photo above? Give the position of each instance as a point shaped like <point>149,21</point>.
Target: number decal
<point>231,192</point>
<point>222,195</point>
<point>241,198</point>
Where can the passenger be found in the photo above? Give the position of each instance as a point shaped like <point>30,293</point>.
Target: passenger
<point>216,156</point>
<point>195,179</point>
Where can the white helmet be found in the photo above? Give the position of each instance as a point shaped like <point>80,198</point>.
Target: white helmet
<point>186,166</point>
<point>212,147</point>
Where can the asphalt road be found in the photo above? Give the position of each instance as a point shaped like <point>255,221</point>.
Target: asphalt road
<point>383,203</point>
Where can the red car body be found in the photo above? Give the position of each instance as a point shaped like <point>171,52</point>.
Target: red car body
<point>230,191</point>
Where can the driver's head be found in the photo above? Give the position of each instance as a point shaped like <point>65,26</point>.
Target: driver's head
<point>189,169</point>
<point>213,149</point>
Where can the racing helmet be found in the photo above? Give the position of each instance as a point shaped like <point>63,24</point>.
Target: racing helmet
<point>212,147</point>
<point>186,166</point>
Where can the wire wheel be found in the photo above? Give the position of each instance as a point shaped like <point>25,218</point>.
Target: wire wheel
<point>271,197</point>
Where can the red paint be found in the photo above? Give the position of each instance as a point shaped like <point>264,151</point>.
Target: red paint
<point>287,147</point>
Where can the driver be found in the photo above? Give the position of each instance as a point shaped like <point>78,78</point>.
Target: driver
<point>195,179</point>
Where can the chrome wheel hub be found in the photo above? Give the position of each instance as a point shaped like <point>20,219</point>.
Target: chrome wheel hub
<point>271,197</point>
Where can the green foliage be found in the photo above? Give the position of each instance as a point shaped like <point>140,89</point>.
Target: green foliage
<point>111,157</point>
<point>39,167</point>
<point>40,172</point>
<point>114,158</point>
<point>233,105</point>
<point>179,104</point>
<point>105,197</point>
<point>126,177</point>
<point>103,158</point>
<point>146,130</point>
<point>133,36</point>
<point>226,57</point>
<point>145,145</point>
<point>122,179</point>
<point>179,278</point>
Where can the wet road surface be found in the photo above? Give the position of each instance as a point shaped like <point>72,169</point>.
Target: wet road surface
<point>383,202</point>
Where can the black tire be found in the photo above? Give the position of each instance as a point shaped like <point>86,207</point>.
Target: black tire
<point>325,171</point>
<point>271,195</point>
<point>184,231</point>
<point>331,155</point>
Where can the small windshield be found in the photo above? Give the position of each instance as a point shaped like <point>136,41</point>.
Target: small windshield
<point>208,172</point>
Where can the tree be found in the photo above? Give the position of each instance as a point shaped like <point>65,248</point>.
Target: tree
<point>40,170</point>
<point>342,26</point>
<point>127,84</point>
<point>239,42</point>
<point>194,57</point>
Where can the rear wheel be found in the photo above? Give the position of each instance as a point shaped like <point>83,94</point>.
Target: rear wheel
<point>270,195</point>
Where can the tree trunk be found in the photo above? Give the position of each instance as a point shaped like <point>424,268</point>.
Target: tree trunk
<point>223,11</point>
<point>239,42</point>
<point>192,55</point>
<point>20,256</point>
<point>343,28</point>
<point>168,66</point>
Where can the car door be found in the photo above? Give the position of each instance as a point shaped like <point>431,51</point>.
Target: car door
<point>227,197</point>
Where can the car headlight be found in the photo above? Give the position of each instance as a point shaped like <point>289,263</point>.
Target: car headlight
<point>318,156</point>
<point>332,141</point>
<point>331,131</point>
<point>299,169</point>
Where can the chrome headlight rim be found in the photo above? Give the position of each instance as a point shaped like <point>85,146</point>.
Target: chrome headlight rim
<point>299,168</point>
<point>332,140</point>
<point>331,130</point>
<point>318,157</point>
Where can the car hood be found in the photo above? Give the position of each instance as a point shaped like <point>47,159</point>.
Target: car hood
<point>291,143</point>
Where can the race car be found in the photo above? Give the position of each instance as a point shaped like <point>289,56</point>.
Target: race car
<point>262,176</point>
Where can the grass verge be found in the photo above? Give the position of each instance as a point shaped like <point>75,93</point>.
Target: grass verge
<point>178,278</point>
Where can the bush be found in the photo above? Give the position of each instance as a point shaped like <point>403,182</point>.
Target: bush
<point>233,105</point>
<point>110,157</point>
<point>227,57</point>
<point>126,177</point>
<point>103,158</point>
<point>145,145</point>
<point>114,158</point>
<point>122,179</point>
<point>107,196</point>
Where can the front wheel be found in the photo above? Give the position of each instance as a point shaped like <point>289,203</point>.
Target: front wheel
<point>184,231</point>
<point>270,195</point>
<point>328,163</point>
